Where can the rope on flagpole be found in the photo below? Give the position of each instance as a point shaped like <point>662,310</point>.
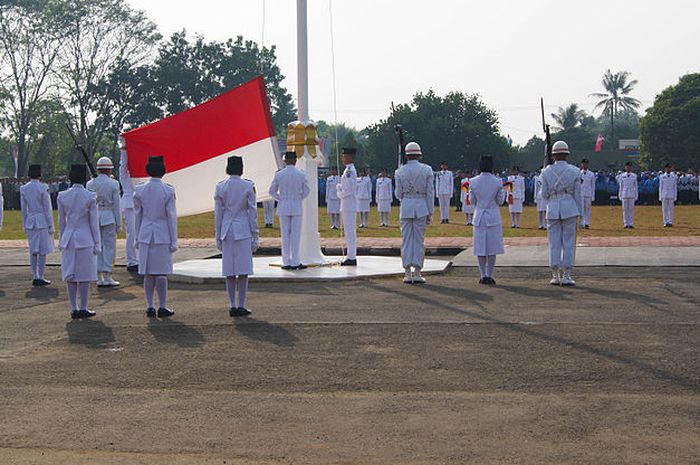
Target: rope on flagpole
<point>262,40</point>
<point>341,231</point>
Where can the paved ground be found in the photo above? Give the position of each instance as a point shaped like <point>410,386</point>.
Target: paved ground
<point>363,372</point>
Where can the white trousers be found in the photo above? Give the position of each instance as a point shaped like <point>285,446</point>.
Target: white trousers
<point>290,227</point>
<point>587,202</point>
<point>667,206</point>
<point>413,241</point>
<point>269,212</point>
<point>444,202</point>
<point>562,242</point>
<point>335,220</point>
<point>350,231</point>
<point>108,237</point>
<point>130,226</point>
<point>628,212</point>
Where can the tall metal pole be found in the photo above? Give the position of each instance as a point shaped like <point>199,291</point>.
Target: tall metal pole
<point>302,62</point>
<point>310,250</point>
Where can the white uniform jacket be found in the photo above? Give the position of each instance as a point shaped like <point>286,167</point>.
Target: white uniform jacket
<point>588,184</point>
<point>414,188</point>
<point>668,187</point>
<point>364,188</point>
<point>384,189</point>
<point>347,190</point>
<point>78,222</point>
<point>289,187</point>
<point>561,189</point>
<point>156,214</point>
<point>108,205</point>
<point>627,186</point>
<point>444,183</point>
<point>487,194</point>
<point>36,206</point>
<point>331,190</point>
<point>518,186</point>
<point>235,210</point>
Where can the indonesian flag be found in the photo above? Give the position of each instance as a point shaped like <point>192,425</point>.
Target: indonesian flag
<point>599,143</point>
<point>196,144</point>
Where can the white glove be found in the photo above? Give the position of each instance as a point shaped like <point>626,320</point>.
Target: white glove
<point>219,245</point>
<point>429,220</point>
<point>122,142</point>
<point>136,245</point>
<point>97,250</point>
<point>173,248</point>
<point>255,244</point>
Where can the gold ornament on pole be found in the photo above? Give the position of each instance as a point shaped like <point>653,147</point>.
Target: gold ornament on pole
<point>300,137</point>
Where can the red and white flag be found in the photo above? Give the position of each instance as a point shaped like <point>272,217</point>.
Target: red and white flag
<point>196,144</point>
<point>599,143</point>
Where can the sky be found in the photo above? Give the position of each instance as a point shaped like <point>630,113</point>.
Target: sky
<point>509,52</point>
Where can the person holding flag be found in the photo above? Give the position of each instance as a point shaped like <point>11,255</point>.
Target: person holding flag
<point>516,196</point>
<point>347,193</point>
<point>467,206</point>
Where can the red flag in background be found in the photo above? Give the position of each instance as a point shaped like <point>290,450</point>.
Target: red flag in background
<point>599,143</point>
<point>196,144</point>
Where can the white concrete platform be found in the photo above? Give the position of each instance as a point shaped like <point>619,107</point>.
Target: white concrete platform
<point>538,256</point>
<point>268,269</point>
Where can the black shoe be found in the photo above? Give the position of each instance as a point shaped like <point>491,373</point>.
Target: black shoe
<point>40,282</point>
<point>447,221</point>
<point>348,262</point>
<point>670,225</point>
<point>588,227</point>
<point>132,268</point>
<point>85,314</point>
<point>300,267</point>
<point>631,227</point>
<point>482,281</point>
<point>165,312</point>
<point>74,315</point>
<point>287,267</point>
<point>491,281</point>
<point>151,312</point>
<point>240,311</point>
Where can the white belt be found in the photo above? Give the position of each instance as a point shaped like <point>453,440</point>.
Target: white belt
<point>561,195</point>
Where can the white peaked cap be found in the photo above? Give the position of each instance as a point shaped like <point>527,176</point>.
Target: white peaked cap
<point>104,163</point>
<point>560,147</point>
<point>412,148</point>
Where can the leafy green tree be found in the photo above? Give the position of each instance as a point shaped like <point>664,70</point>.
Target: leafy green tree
<point>616,96</point>
<point>29,45</point>
<point>670,130</point>
<point>99,36</point>
<point>189,72</point>
<point>569,117</point>
<point>457,128</point>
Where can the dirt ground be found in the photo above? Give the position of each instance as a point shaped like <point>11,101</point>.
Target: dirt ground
<point>363,372</point>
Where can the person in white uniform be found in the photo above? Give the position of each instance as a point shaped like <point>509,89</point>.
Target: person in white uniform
<point>561,189</point>
<point>37,218</point>
<point>347,193</point>
<point>628,193</point>
<point>540,203</point>
<point>444,191</point>
<point>79,240</point>
<point>467,206</point>
<point>587,192</point>
<point>289,188</point>
<point>487,194</point>
<point>269,213</point>
<point>364,197</point>
<point>384,197</point>
<point>332,199</point>
<point>668,194</point>
<point>515,207</point>
<point>156,235</point>
<point>127,206</point>
<point>110,217</point>
<point>237,234</point>
<point>414,189</point>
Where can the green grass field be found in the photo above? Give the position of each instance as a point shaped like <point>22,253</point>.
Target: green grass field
<point>606,221</point>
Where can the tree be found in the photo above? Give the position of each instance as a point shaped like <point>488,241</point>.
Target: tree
<point>187,73</point>
<point>100,36</point>
<point>670,131</point>
<point>569,117</point>
<point>29,44</point>
<point>616,97</point>
<point>458,128</point>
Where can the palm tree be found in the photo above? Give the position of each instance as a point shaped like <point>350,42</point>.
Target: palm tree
<point>616,97</point>
<point>569,117</point>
